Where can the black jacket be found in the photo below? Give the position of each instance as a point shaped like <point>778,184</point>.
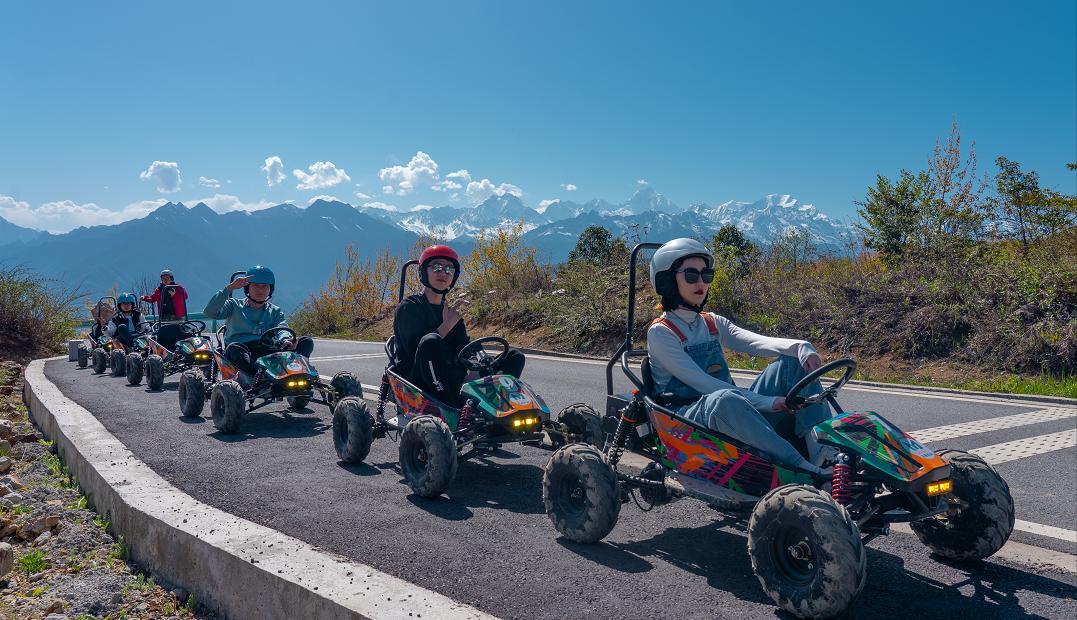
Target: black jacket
<point>416,317</point>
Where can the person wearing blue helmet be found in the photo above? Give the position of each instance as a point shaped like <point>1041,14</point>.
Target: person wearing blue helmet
<point>124,325</point>
<point>246,321</point>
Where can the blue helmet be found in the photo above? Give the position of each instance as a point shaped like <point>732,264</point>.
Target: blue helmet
<point>261,275</point>
<point>126,298</point>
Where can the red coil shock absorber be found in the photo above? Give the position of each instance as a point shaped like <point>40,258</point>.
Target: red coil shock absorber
<point>841,482</point>
<point>466,415</point>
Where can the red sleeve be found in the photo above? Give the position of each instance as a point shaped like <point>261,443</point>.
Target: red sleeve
<point>152,298</point>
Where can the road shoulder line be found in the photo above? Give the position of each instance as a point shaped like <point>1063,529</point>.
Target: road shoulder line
<point>242,569</point>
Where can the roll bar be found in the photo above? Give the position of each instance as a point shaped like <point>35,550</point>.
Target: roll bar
<point>404,279</point>
<point>625,351</point>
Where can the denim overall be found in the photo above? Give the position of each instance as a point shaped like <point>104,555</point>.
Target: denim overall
<point>729,413</point>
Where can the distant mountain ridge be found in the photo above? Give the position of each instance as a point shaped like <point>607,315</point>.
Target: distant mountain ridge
<point>302,245</point>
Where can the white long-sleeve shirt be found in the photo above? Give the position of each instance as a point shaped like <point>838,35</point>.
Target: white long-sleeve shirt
<point>669,359</point>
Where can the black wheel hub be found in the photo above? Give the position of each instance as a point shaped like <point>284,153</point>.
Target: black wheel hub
<point>795,556</point>
<point>571,496</point>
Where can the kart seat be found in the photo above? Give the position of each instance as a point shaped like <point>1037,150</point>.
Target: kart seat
<point>666,399</point>
<point>168,334</point>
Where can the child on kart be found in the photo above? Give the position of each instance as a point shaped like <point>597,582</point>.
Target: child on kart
<point>171,300</point>
<point>247,320</point>
<point>685,344</point>
<point>430,333</point>
<point>126,323</point>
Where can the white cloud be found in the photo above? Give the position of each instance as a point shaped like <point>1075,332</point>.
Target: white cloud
<point>210,183</point>
<point>274,169</point>
<point>325,197</point>
<point>446,185</point>
<point>478,191</point>
<point>362,196</point>
<point>66,215</point>
<point>165,173</point>
<point>642,182</point>
<point>568,187</point>
<point>422,207</point>
<point>455,197</point>
<point>402,180</point>
<point>545,203</point>
<point>225,203</point>
<point>453,181</point>
<point>380,205</point>
<point>322,174</point>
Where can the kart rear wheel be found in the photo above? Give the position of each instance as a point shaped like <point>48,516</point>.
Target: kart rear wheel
<point>155,372</point>
<point>227,406</point>
<point>298,402</point>
<point>581,493</point>
<point>584,422</point>
<point>133,368</point>
<point>100,361</point>
<point>117,363</point>
<point>83,356</point>
<point>428,455</point>
<point>192,394</point>
<point>353,430</point>
<point>983,524</point>
<point>806,551</point>
<point>344,384</point>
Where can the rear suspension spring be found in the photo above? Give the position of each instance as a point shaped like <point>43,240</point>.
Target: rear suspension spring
<point>841,482</point>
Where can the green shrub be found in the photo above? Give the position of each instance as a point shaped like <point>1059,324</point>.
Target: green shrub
<point>38,314</point>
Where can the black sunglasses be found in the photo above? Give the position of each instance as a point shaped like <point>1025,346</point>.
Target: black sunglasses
<point>692,276</point>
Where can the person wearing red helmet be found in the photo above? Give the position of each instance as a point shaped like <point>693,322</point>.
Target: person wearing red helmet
<point>430,332</point>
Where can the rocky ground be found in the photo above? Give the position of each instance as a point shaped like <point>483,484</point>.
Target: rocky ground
<point>58,558</point>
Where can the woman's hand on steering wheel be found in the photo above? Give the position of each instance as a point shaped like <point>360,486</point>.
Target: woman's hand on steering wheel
<point>268,338</point>
<point>474,357</point>
<point>793,400</point>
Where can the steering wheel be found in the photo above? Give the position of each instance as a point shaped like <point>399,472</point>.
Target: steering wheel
<point>268,340</point>
<point>192,328</point>
<point>474,356</point>
<point>795,401</point>
<point>148,327</point>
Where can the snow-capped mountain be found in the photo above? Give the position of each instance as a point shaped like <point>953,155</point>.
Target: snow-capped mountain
<point>768,217</point>
<point>451,223</point>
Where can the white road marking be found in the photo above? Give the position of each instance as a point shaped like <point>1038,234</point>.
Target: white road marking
<point>975,427</point>
<point>1046,530</point>
<point>1023,448</point>
<point>336,358</point>
<point>1020,553</point>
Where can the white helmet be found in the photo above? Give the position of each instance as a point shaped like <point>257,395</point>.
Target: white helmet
<point>673,251</point>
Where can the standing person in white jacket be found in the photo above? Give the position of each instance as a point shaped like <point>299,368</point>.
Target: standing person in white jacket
<point>685,349</point>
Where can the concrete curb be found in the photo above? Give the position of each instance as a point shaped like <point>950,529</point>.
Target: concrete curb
<point>239,568</point>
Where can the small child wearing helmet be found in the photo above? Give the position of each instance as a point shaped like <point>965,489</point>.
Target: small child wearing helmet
<point>430,333</point>
<point>125,324</point>
<point>171,306</point>
<point>685,344</point>
<point>247,320</point>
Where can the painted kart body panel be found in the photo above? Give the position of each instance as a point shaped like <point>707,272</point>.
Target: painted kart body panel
<point>501,396</point>
<point>413,402</point>
<point>707,457</point>
<point>184,348</point>
<point>285,364</point>
<point>880,444</point>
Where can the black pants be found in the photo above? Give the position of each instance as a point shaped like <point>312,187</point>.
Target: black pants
<point>124,336</point>
<point>441,374</point>
<point>243,355</point>
<point>169,335</point>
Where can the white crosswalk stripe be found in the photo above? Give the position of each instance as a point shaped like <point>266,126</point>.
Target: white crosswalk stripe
<point>1022,448</point>
<point>950,431</point>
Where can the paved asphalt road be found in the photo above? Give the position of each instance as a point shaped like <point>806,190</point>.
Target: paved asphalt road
<point>490,544</point>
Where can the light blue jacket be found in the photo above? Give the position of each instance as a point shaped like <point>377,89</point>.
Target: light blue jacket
<point>244,323</point>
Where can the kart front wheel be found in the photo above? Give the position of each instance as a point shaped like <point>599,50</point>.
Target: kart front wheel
<point>344,384</point>
<point>227,405</point>
<point>83,356</point>
<point>133,368</point>
<point>428,456</point>
<point>583,422</point>
<point>192,393</point>
<point>100,361</point>
<point>155,372</point>
<point>806,551</point>
<point>353,430</point>
<point>117,363</point>
<point>580,492</point>
<point>982,518</point>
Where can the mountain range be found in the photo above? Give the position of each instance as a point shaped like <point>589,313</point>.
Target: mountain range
<point>303,244</point>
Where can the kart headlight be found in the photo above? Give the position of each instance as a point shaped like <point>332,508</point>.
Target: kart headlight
<point>200,356</point>
<point>524,422</point>
<point>297,383</point>
<point>939,487</point>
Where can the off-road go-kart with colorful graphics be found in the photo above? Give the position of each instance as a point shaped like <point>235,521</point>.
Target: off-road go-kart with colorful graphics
<point>97,346</point>
<point>434,436</point>
<point>806,530</point>
<point>157,361</point>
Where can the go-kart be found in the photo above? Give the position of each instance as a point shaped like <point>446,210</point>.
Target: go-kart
<point>435,436</point>
<point>806,529</point>
<point>97,348</point>
<point>156,361</point>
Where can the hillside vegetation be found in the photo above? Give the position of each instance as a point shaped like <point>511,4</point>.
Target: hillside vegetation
<point>963,279</point>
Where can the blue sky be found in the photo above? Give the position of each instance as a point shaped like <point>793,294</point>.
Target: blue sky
<point>707,101</point>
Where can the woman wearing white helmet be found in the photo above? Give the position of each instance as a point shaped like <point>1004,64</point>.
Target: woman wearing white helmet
<point>685,349</point>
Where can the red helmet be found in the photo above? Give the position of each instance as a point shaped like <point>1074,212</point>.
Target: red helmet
<point>439,251</point>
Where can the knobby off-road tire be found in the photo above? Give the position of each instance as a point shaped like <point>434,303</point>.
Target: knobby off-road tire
<point>118,365</point>
<point>584,422</point>
<point>428,456</point>
<point>581,494</point>
<point>353,430</point>
<point>227,405</point>
<point>100,361</point>
<point>831,572</point>
<point>345,384</point>
<point>192,393</point>
<point>298,402</point>
<point>978,529</point>
<point>155,372</point>
<point>133,368</point>
<point>83,356</point>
